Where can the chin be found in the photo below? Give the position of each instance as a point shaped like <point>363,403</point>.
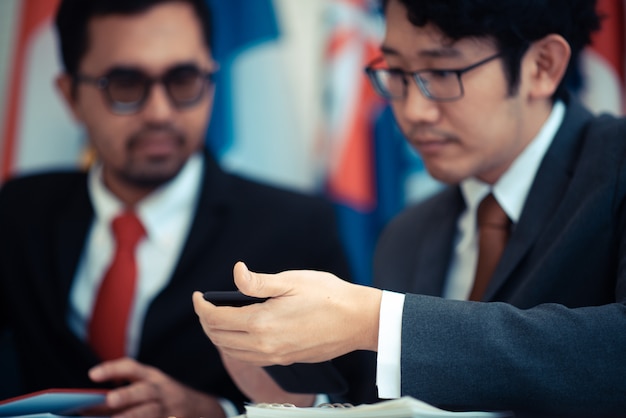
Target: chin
<point>153,176</point>
<point>447,176</point>
<point>149,183</point>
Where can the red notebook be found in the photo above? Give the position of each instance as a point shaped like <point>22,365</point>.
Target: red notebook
<point>52,401</point>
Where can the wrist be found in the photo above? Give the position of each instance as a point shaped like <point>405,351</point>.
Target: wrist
<point>368,318</point>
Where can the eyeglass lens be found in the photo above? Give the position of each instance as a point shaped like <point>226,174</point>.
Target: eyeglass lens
<point>129,88</point>
<point>435,84</point>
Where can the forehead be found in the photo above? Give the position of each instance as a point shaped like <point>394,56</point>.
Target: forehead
<point>405,40</point>
<point>153,40</point>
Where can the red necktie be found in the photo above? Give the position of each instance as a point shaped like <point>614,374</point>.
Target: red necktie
<point>109,320</point>
<point>493,232</point>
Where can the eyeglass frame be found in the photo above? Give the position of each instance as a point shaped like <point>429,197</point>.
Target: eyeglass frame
<point>415,75</point>
<point>121,108</point>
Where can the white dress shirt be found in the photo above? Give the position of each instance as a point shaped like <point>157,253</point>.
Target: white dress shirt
<point>166,215</point>
<point>510,191</point>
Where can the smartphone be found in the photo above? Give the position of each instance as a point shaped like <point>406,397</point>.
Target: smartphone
<point>231,298</point>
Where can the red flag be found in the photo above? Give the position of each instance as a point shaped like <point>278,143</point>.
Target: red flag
<point>33,14</point>
<point>602,64</point>
<point>354,41</point>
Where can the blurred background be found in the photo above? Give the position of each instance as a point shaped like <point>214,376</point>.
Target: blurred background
<point>293,107</point>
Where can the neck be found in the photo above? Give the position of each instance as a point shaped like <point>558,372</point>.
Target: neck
<point>128,192</point>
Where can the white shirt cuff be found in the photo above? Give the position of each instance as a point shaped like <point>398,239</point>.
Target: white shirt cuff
<point>389,345</point>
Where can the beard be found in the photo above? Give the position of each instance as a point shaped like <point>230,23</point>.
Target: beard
<point>156,154</point>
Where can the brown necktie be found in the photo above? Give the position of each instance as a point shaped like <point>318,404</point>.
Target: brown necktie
<point>493,232</point>
<point>109,320</point>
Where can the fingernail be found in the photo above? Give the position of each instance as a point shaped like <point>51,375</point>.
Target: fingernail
<point>95,372</point>
<point>248,276</point>
<point>113,399</point>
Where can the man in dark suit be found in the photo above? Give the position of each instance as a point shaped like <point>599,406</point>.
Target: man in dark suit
<point>477,89</point>
<point>138,77</point>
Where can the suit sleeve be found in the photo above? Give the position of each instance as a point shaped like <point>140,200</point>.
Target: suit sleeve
<point>471,354</point>
<point>548,357</point>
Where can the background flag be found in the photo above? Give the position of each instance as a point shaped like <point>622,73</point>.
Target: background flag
<point>264,123</point>
<point>351,108</point>
<point>602,65</point>
<point>37,131</point>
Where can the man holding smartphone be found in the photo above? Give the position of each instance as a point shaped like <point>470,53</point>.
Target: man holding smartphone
<point>506,290</point>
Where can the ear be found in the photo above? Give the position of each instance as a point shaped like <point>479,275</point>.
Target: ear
<point>211,98</point>
<point>64,86</point>
<point>547,59</point>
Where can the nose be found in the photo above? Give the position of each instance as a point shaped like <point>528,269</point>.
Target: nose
<point>417,108</point>
<point>158,106</point>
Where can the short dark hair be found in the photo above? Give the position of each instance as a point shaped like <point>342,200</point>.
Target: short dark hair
<point>73,18</point>
<point>513,25</point>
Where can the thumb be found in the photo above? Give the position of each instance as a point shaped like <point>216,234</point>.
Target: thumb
<point>257,284</point>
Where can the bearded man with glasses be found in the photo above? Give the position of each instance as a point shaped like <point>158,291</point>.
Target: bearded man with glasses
<point>506,290</point>
<point>138,77</point>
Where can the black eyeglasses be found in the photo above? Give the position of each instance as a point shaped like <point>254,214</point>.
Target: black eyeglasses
<point>442,84</point>
<point>127,89</point>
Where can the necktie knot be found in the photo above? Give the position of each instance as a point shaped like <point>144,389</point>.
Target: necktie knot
<point>127,229</point>
<point>491,215</point>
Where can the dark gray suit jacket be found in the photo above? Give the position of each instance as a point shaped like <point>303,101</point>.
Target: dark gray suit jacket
<point>44,220</point>
<point>553,342</point>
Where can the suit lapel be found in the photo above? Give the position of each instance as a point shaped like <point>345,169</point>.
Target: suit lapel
<point>211,208</point>
<point>433,259</point>
<point>69,238</point>
<point>545,195</point>
<point>209,215</point>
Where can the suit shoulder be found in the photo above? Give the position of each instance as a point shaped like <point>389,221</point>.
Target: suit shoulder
<point>41,189</point>
<point>607,131</point>
<point>431,216</point>
<point>264,195</point>
<point>429,210</point>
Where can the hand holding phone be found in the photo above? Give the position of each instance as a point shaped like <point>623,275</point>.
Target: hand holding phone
<point>298,377</point>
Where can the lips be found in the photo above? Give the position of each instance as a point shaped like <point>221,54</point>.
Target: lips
<point>429,145</point>
<point>424,141</point>
<point>156,142</point>
<point>157,146</point>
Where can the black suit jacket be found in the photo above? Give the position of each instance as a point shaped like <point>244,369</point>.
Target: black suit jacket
<point>44,220</point>
<point>554,340</point>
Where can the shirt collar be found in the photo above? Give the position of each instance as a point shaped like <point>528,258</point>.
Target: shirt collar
<point>178,196</point>
<point>513,186</point>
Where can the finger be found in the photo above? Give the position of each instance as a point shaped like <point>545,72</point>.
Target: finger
<point>139,393</point>
<point>150,409</point>
<point>223,317</point>
<point>223,339</point>
<point>121,369</point>
<point>259,284</point>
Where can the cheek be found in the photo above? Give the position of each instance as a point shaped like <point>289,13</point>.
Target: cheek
<point>194,122</point>
<point>102,125</point>
<point>396,110</point>
<point>109,133</point>
<point>483,126</point>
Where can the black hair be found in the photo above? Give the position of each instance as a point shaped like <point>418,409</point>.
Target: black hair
<point>73,16</point>
<point>513,24</point>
